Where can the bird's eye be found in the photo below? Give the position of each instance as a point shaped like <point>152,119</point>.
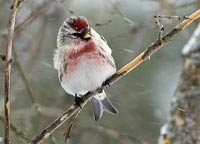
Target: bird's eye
<point>76,34</point>
<point>84,34</point>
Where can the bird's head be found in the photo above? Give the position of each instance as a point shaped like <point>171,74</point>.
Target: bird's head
<point>74,28</point>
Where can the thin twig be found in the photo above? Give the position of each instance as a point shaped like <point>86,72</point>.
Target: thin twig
<point>160,26</point>
<point>67,135</point>
<point>24,79</point>
<point>18,132</point>
<point>13,12</point>
<point>117,76</point>
<point>40,11</point>
<point>37,50</point>
<point>103,24</point>
<point>121,12</point>
<point>104,131</point>
<point>183,122</point>
<point>35,14</point>
<point>37,107</point>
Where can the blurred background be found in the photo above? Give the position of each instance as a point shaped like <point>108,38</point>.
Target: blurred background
<point>142,97</point>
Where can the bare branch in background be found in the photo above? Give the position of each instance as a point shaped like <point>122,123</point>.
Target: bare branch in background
<point>18,132</point>
<point>111,133</point>
<point>27,85</point>
<point>36,106</point>
<point>183,126</point>
<point>155,46</point>
<point>121,12</point>
<point>103,24</point>
<point>35,14</point>
<point>40,36</point>
<point>13,12</point>
<point>186,3</point>
<point>24,79</point>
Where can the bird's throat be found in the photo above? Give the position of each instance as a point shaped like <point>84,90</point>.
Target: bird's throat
<point>88,48</point>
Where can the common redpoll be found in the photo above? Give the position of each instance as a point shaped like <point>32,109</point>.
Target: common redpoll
<point>83,60</point>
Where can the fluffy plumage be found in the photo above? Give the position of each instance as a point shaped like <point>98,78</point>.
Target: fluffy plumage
<point>83,60</point>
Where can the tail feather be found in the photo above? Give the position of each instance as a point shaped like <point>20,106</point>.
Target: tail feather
<point>100,103</point>
<point>108,106</point>
<point>97,108</point>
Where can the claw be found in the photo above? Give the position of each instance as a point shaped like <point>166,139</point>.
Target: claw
<point>100,89</point>
<point>78,101</point>
<point>106,83</point>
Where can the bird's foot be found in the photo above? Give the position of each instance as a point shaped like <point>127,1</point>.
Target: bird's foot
<point>106,83</point>
<point>78,101</point>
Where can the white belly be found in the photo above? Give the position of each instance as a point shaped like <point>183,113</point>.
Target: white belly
<point>87,76</point>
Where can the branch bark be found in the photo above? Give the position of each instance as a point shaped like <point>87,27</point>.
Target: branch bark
<point>117,76</point>
<point>13,12</point>
<point>183,126</point>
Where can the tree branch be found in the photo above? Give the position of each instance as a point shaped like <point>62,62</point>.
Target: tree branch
<point>35,14</point>
<point>183,124</point>
<point>18,132</point>
<point>13,12</point>
<point>118,75</point>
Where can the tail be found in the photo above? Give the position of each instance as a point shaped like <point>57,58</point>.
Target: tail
<point>100,103</point>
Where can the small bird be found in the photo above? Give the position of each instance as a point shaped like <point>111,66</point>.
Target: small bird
<point>84,62</point>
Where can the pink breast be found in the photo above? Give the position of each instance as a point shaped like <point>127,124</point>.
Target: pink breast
<point>75,56</point>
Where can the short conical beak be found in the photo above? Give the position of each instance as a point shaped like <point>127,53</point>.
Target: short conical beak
<point>87,35</point>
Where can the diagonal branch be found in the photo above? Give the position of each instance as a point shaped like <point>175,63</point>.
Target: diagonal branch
<point>13,12</point>
<point>117,76</point>
<point>183,126</point>
<point>35,14</point>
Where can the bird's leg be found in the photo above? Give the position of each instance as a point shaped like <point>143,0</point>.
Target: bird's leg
<point>78,101</point>
<point>106,83</point>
